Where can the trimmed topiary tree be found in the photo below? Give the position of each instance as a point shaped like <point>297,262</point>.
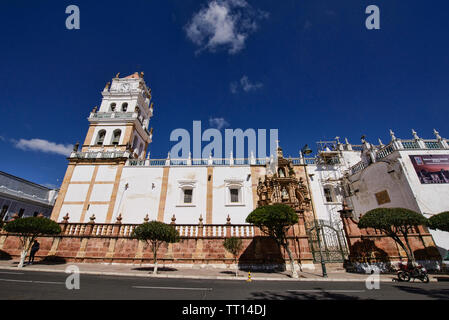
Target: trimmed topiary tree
<point>28,229</point>
<point>234,246</point>
<point>440,221</point>
<point>275,220</point>
<point>156,233</point>
<point>394,222</point>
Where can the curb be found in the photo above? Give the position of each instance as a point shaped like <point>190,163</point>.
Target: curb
<point>123,274</point>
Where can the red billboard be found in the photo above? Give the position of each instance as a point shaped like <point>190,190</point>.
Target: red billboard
<point>431,168</point>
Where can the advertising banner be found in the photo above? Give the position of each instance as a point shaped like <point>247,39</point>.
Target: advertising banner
<point>431,168</point>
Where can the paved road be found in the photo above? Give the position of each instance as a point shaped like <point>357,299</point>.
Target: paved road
<point>45,285</point>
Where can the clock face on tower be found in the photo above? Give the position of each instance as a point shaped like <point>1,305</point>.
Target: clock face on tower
<point>124,87</point>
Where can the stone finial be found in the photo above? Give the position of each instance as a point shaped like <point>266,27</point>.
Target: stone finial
<point>338,139</point>
<point>393,137</point>
<point>92,218</point>
<point>346,141</point>
<point>228,220</point>
<point>437,134</point>
<point>380,143</point>
<point>94,110</point>
<point>363,139</point>
<point>173,220</point>
<point>119,219</point>
<point>201,220</point>
<point>141,74</point>
<point>117,75</point>
<point>107,86</point>
<point>76,146</point>
<point>415,135</point>
<point>146,219</point>
<point>65,219</point>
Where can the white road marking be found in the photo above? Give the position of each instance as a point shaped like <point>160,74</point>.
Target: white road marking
<point>31,281</point>
<point>330,291</point>
<point>173,288</point>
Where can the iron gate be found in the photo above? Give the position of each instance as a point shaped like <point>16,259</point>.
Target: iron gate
<point>328,241</point>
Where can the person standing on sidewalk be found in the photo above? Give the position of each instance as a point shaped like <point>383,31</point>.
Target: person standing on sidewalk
<point>35,248</point>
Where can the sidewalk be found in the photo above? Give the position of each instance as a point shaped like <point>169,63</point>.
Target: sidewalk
<point>199,273</point>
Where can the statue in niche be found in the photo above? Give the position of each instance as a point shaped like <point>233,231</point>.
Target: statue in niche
<point>281,173</point>
<point>284,194</point>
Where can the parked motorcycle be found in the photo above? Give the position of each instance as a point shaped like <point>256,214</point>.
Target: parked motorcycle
<point>406,272</point>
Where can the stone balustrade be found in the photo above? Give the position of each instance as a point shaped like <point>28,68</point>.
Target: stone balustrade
<point>185,230</point>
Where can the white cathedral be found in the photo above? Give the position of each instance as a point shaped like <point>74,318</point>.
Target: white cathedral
<point>110,176</point>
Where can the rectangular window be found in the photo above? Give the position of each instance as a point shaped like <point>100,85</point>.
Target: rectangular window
<point>188,195</point>
<point>328,195</point>
<point>21,212</point>
<point>234,195</point>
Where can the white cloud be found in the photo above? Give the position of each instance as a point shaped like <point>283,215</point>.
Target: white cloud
<point>44,146</point>
<point>218,123</point>
<point>234,87</point>
<point>223,23</point>
<point>245,84</point>
<point>248,86</point>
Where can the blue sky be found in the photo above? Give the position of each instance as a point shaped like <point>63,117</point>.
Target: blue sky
<point>309,68</point>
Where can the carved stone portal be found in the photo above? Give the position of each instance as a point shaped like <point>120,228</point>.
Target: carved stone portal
<point>283,187</point>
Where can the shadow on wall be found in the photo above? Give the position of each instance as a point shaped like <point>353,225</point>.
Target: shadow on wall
<point>428,253</point>
<point>262,254</point>
<point>366,251</point>
<point>5,255</point>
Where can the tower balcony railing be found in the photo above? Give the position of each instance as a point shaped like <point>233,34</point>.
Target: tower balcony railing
<point>113,115</point>
<point>99,154</point>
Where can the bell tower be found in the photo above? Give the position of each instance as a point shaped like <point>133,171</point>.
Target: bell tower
<point>118,131</point>
<point>121,123</point>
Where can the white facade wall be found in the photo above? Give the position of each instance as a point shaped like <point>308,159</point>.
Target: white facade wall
<point>142,196</point>
<point>235,176</point>
<point>328,176</point>
<point>106,173</point>
<point>186,213</point>
<point>76,192</point>
<point>82,173</point>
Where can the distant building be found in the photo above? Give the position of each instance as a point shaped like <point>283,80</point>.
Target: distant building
<point>410,174</point>
<point>24,198</point>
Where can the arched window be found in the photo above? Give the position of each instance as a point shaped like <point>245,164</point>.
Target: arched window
<point>116,137</point>
<point>124,107</point>
<point>100,137</point>
<point>113,107</point>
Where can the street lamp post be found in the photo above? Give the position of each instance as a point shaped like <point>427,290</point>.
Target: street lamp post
<point>323,264</point>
